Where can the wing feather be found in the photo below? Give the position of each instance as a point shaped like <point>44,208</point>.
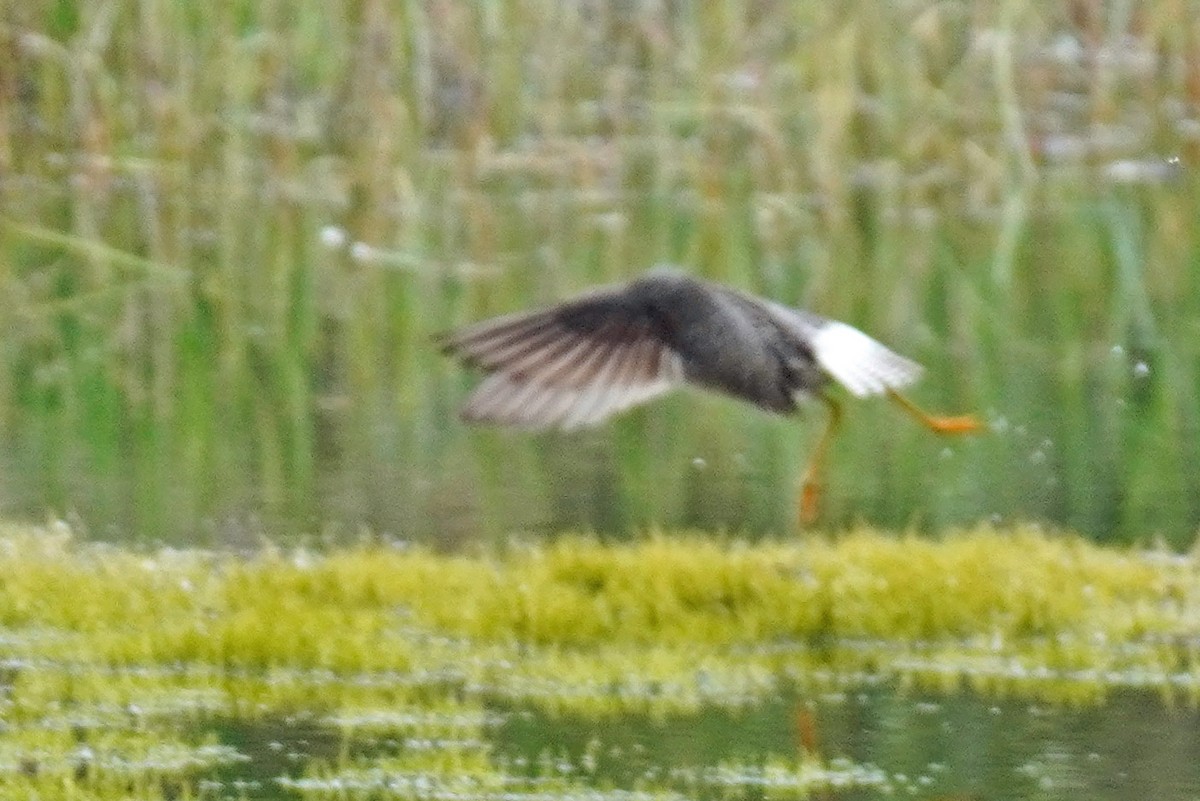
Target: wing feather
<point>571,366</point>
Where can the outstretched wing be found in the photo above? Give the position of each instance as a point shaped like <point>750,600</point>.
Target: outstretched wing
<point>569,366</point>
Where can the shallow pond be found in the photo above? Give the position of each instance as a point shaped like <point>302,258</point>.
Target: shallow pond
<point>867,743</point>
<point>884,743</point>
<point>988,665</point>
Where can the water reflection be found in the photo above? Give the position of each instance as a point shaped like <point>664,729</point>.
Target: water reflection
<point>866,743</point>
<point>1103,466</point>
<point>962,746</point>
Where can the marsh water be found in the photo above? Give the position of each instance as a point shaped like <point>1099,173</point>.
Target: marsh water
<point>674,668</point>
<point>905,745</point>
<point>876,743</point>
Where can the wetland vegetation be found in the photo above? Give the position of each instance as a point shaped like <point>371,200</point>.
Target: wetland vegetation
<point>669,667</point>
<point>227,232</point>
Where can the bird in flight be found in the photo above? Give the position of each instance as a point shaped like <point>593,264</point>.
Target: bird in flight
<point>581,361</point>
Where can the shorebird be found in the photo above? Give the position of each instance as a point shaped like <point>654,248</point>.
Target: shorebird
<point>581,361</point>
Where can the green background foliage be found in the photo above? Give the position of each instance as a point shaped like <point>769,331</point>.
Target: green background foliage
<point>228,231</point>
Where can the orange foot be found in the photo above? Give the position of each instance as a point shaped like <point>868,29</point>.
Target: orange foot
<point>963,424</point>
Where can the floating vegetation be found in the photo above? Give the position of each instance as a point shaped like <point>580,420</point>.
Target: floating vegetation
<point>779,779</point>
<point>403,665</point>
<point>379,783</point>
<point>667,613</point>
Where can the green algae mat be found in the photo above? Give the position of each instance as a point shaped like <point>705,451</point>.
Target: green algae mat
<point>1011,662</point>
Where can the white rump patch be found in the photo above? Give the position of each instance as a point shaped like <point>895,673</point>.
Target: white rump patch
<point>859,363</point>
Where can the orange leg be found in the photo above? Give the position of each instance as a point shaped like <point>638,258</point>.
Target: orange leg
<point>810,481</point>
<point>960,424</point>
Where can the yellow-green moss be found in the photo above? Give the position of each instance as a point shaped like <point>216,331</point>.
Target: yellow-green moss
<point>115,652</point>
<point>661,604</point>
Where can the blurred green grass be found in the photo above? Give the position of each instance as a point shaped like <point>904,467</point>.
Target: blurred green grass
<point>227,232</point>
